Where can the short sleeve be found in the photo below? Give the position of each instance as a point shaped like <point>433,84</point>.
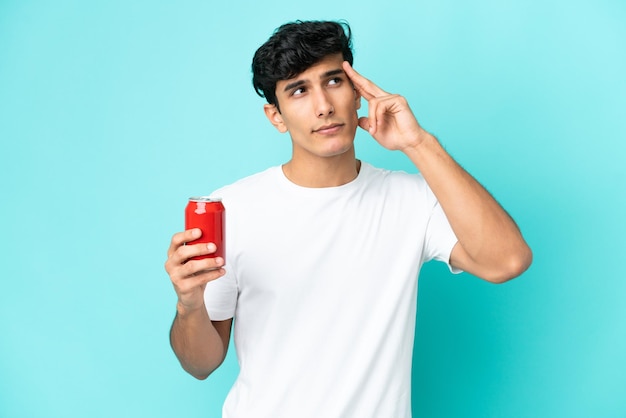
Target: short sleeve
<point>440,238</point>
<point>220,297</point>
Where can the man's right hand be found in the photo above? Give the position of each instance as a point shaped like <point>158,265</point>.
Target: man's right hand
<point>188,276</point>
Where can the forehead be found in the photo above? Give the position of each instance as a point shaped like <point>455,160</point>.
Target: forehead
<point>317,70</point>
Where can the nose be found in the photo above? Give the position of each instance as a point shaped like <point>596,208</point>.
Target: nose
<point>323,105</point>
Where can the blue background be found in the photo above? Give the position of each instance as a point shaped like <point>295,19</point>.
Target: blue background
<point>112,113</point>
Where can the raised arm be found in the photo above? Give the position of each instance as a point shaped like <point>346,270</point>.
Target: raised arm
<point>199,343</point>
<point>490,244</point>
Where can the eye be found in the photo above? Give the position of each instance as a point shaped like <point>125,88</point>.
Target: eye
<point>334,81</point>
<point>298,91</point>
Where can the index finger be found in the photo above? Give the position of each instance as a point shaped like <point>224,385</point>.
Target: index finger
<point>180,238</point>
<point>365,87</point>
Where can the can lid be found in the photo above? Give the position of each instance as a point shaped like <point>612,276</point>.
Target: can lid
<point>205,199</point>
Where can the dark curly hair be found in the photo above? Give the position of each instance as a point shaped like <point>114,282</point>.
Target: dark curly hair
<point>293,48</point>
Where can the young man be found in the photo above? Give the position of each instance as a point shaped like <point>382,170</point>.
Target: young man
<point>323,252</point>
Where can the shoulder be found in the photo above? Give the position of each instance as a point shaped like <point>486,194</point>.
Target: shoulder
<point>250,185</point>
<point>399,187</point>
<point>392,178</point>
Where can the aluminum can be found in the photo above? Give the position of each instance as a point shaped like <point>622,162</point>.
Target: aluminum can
<point>208,214</point>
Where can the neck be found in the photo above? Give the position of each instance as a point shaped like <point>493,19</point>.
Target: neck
<point>326,172</point>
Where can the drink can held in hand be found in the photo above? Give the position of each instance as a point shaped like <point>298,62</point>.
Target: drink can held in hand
<point>207,214</point>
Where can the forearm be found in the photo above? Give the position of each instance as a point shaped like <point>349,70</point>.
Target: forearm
<point>487,234</point>
<point>196,342</point>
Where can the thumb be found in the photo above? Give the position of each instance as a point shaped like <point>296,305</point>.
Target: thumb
<point>364,123</point>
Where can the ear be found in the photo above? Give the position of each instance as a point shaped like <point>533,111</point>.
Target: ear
<point>275,118</point>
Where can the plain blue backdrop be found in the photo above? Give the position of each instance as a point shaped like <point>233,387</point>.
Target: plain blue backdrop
<point>112,113</point>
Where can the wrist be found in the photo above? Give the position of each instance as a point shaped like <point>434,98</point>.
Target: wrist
<point>183,309</point>
<point>422,141</point>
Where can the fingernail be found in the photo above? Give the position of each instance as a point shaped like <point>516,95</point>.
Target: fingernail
<point>219,261</point>
<point>211,247</point>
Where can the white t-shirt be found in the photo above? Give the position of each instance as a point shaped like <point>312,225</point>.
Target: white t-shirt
<point>322,283</point>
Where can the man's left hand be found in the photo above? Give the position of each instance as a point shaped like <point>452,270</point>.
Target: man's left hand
<point>390,120</point>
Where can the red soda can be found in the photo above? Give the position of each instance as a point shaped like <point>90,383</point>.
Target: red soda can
<point>207,214</point>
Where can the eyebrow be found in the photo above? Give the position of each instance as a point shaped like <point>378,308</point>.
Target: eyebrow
<point>301,82</point>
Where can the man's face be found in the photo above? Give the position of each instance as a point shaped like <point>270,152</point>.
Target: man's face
<point>319,110</point>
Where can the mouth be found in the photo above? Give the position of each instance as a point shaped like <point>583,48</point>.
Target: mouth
<point>330,129</point>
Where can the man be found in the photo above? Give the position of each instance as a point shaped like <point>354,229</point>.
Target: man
<point>323,252</point>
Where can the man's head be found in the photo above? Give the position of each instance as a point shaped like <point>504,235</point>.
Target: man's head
<point>293,48</point>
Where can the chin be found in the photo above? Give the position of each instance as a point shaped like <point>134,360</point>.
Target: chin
<point>339,150</point>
